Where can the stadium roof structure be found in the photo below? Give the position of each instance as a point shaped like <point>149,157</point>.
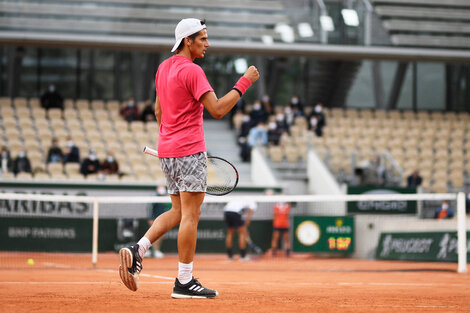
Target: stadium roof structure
<point>236,27</point>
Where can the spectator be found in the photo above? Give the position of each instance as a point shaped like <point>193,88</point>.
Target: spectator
<point>281,122</point>
<point>71,152</point>
<point>21,164</point>
<point>52,98</point>
<point>155,210</point>
<point>258,135</point>
<point>274,133</point>
<point>90,165</point>
<point>148,113</point>
<point>444,211</point>
<point>266,102</point>
<point>414,179</point>
<point>6,165</point>
<point>55,155</point>
<point>258,113</point>
<point>296,105</point>
<point>321,119</point>
<point>130,112</point>
<point>110,166</point>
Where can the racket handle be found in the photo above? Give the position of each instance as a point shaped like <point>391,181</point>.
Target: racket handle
<point>151,151</point>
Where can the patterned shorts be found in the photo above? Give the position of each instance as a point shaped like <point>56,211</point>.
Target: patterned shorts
<point>188,173</point>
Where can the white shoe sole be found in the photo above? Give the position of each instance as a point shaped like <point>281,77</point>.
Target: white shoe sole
<point>131,281</point>
<point>180,296</point>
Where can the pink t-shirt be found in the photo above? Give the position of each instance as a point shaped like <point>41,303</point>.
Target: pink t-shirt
<point>180,84</point>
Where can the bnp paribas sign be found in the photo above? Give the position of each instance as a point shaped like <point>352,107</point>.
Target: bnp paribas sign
<point>422,246</point>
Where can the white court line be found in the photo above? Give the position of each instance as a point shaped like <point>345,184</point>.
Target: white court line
<point>107,271</point>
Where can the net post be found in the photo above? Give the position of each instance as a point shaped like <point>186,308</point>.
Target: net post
<point>94,245</point>
<point>461,233</point>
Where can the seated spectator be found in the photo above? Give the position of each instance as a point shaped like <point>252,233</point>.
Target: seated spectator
<point>281,122</point>
<point>320,117</point>
<point>110,166</point>
<point>54,155</point>
<point>71,152</point>
<point>444,211</point>
<point>266,102</point>
<point>6,163</point>
<point>90,165</point>
<point>258,135</point>
<point>21,164</point>
<point>274,133</point>
<point>52,98</point>
<point>130,112</point>
<point>148,113</point>
<point>414,179</point>
<point>296,105</point>
<point>258,113</point>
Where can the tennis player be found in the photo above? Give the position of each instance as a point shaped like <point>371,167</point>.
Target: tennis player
<point>183,92</point>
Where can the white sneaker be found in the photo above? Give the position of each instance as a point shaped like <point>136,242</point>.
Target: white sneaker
<point>159,254</point>
<point>245,259</point>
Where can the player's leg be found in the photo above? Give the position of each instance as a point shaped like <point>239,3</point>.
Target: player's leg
<point>274,242</point>
<point>242,242</point>
<point>285,237</point>
<point>131,257</point>
<point>186,286</point>
<point>229,242</point>
<point>187,235</point>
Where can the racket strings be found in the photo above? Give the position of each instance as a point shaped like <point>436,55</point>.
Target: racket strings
<point>222,176</point>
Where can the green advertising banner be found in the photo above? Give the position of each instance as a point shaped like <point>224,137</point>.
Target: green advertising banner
<point>381,207</point>
<point>323,234</point>
<point>422,246</point>
<point>75,235</point>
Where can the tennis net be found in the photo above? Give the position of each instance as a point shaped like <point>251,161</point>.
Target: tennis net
<point>78,231</point>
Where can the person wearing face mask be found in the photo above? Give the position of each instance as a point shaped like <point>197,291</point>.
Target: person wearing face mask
<point>6,163</point>
<point>296,104</point>
<point>155,210</point>
<point>445,211</point>
<point>258,113</point>
<point>274,133</point>
<point>54,154</point>
<point>110,166</point>
<point>21,164</point>
<point>91,164</point>
<point>319,115</point>
<point>130,112</point>
<point>52,98</point>
<point>266,102</point>
<point>71,152</point>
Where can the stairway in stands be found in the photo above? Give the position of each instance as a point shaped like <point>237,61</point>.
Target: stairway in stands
<point>221,141</point>
<point>332,82</point>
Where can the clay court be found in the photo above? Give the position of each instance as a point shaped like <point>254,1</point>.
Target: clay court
<point>301,283</point>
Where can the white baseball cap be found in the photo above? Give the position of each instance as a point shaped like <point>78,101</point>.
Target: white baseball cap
<point>186,27</point>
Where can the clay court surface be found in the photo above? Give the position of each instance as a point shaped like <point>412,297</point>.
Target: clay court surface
<point>301,283</point>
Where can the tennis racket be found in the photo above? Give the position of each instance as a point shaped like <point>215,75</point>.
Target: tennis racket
<point>222,176</point>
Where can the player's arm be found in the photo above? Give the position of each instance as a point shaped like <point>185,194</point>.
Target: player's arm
<point>219,107</point>
<point>158,111</point>
<point>248,217</point>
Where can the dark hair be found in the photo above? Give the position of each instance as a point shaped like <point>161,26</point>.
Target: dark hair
<point>193,36</point>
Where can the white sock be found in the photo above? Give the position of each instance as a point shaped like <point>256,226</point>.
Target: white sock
<point>185,272</point>
<point>144,244</point>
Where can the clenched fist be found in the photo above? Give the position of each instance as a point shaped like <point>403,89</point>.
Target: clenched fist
<point>252,74</point>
